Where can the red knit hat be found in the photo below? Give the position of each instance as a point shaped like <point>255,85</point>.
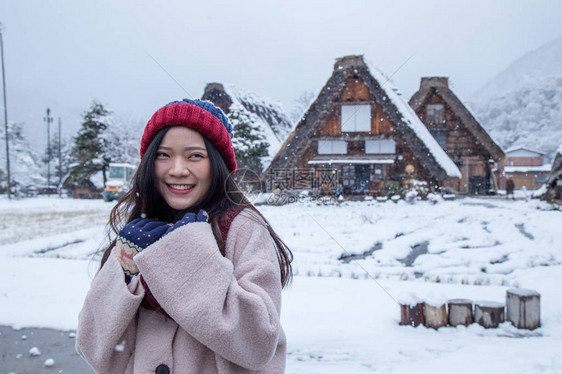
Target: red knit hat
<point>201,116</point>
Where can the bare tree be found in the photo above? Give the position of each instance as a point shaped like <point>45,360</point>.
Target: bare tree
<point>300,106</point>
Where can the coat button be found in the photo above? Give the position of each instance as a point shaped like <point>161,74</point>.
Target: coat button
<point>162,369</point>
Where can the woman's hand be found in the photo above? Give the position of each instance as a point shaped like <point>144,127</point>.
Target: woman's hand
<point>149,301</point>
<point>133,238</point>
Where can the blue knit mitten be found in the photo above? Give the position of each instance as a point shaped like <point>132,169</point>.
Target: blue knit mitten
<point>133,238</point>
<point>201,216</point>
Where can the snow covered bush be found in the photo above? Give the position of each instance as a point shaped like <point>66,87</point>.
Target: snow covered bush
<point>415,190</point>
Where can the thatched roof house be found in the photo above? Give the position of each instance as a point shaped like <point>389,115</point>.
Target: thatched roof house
<point>360,135</point>
<point>459,133</point>
<point>268,116</point>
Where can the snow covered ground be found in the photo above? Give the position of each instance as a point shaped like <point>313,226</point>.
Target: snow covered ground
<point>339,317</point>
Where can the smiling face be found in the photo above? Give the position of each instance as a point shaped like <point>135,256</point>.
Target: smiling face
<point>182,168</point>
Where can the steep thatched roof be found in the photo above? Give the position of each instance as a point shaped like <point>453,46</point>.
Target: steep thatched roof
<point>268,115</point>
<point>407,124</point>
<point>269,111</point>
<point>440,86</point>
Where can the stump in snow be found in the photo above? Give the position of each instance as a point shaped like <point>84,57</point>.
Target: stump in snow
<point>434,316</point>
<point>488,313</point>
<point>411,315</point>
<point>523,308</point>
<point>460,312</point>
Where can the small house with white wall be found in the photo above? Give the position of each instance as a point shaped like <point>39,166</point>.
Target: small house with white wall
<point>526,167</point>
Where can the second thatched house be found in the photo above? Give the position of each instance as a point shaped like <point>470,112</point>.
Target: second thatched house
<point>458,132</point>
<point>361,136</point>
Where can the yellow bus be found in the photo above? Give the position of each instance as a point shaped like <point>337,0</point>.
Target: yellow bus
<point>118,181</point>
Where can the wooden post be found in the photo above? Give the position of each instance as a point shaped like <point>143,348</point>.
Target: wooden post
<point>460,312</point>
<point>523,308</point>
<point>434,316</point>
<point>411,315</point>
<point>488,313</point>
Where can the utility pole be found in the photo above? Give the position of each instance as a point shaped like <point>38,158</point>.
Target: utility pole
<point>60,161</point>
<point>5,115</point>
<point>48,119</point>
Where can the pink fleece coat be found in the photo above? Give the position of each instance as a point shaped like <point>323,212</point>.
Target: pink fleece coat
<point>225,310</point>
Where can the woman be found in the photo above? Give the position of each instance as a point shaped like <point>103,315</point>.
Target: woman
<point>192,281</point>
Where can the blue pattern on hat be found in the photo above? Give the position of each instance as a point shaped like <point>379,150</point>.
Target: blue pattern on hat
<point>211,108</point>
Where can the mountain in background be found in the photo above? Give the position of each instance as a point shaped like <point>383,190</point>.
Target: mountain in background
<point>522,106</point>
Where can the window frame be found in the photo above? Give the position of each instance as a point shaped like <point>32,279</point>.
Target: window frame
<point>331,144</point>
<point>355,118</point>
<point>380,147</point>
<point>435,112</point>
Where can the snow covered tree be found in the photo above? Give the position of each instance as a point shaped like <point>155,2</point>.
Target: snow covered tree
<point>300,105</point>
<point>24,169</point>
<point>249,142</point>
<point>51,153</point>
<point>89,148</point>
<point>59,168</point>
<point>122,139</point>
<point>53,156</point>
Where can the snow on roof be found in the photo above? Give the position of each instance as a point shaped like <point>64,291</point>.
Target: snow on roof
<point>273,110</point>
<point>114,183</point>
<point>412,120</point>
<point>513,149</point>
<point>350,161</point>
<point>527,169</point>
<point>122,164</point>
<point>241,96</point>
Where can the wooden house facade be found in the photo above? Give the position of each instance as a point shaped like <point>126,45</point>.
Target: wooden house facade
<point>458,132</point>
<point>361,136</point>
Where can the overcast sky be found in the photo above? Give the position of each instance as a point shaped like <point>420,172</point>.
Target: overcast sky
<point>62,54</point>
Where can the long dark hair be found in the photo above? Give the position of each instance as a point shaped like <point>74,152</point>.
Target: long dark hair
<point>144,200</point>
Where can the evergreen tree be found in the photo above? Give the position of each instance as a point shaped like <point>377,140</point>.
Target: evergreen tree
<point>249,142</point>
<point>89,148</point>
